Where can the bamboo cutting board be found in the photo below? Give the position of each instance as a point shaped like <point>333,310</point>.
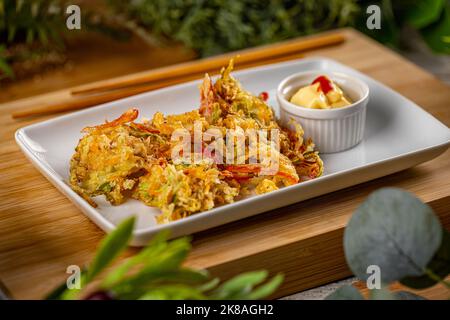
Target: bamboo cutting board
<point>41,232</point>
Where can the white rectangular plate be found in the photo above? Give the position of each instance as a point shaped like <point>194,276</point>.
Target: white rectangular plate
<point>398,135</point>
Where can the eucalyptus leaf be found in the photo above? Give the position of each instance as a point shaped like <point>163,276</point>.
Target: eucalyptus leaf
<point>382,294</point>
<point>439,265</point>
<point>347,292</point>
<point>395,231</point>
<point>406,295</point>
<point>110,247</point>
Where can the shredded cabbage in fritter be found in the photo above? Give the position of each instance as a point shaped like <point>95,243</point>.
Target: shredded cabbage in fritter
<point>124,159</point>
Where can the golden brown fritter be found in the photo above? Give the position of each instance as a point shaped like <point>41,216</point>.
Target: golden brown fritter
<point>123,158</point>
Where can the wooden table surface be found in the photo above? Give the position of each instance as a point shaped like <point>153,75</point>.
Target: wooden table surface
<point>41,232</point>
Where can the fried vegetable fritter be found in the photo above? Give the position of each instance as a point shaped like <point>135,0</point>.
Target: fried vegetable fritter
<point>181,191</point>
<point>107,161</point>
<point>125,159</point>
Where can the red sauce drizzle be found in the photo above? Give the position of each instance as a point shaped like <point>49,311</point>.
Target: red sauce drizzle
<point>264,95</point>
<point>325,84</point>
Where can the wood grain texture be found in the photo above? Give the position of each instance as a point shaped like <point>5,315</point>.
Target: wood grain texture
<point>41,232</point>
<point>200,67</point>
<point>94,57</point>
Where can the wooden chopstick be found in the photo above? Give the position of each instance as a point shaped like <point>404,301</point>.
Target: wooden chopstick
<point>92,95</point>
<point>80,102</point>
<point>206,65</point>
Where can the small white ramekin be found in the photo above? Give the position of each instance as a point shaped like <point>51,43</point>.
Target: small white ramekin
<point>332,130</point>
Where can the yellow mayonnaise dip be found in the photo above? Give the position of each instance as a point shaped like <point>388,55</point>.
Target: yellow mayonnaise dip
<point>322,93</point>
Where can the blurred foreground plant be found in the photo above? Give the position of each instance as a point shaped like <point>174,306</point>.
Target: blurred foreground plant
<point>400,235</point>
<point>156,273</point>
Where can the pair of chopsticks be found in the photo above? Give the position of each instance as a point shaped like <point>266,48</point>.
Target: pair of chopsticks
<point>117,88</point>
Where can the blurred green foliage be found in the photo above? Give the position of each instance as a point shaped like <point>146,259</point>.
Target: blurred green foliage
<point>429,17</point>
<point>157,273</point>
<point>27,29</point>
<point>34,30</point>
<point>26,21</point>
<point>215,26</point>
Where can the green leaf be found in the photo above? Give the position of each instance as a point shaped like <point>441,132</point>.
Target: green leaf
<point>345,293</point>
<point>406,295</point>
<point>58,292</point>
<point>110,247</point>
<point>42,33</point>
<point>160,278</point>
<point>182,276</point>
<point>30,36</point>
<point>19,5</point>
<point>394,231</point>
<point>155,247</point>
<point>240,285</point>
<point>437,34</point>
<point>209,285</point>
<point>72,294</point>
<point>186,275</point>
<point>157,268</point>
<point>382,294</point>
<point>267,288</point>
<point>421,13</point>
<point>12,29</point>
<point>6,69</point>
<point>35,9</point>
<point>439,265</point>
<point>173,292</point>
